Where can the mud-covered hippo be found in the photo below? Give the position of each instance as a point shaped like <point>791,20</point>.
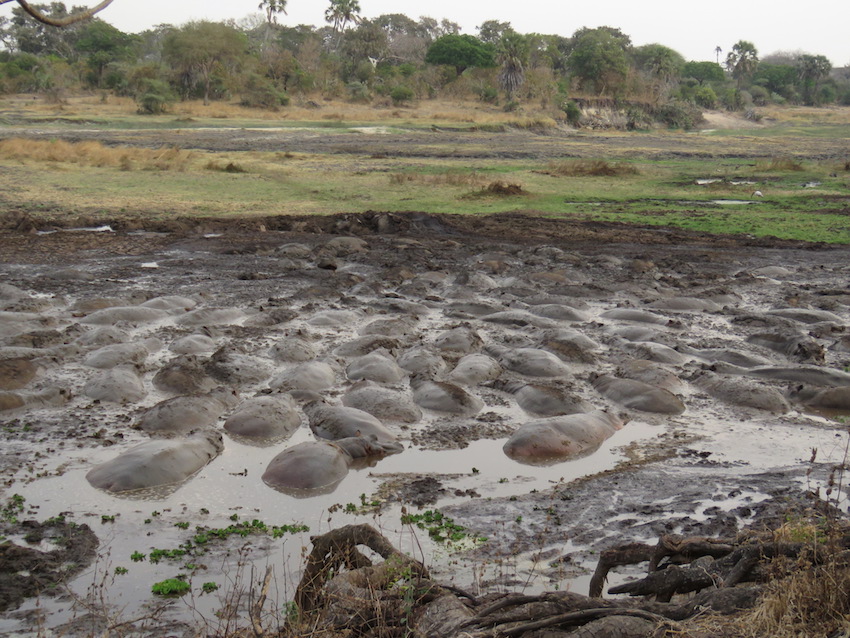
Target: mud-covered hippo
<point>443,397</point>
<point>561,437</point>
<point>270,417</point>
<point>178,415</point>
<point>313,376</point>
<point>52,397</point>
<point>16,373</point>
<point>128,314</point>
<point>531,362</point>
<point>475,368</point>
<point>386,404</point>
<point>185,374</point>
<point>316,467</point>
<point>117,385</point>
<point>637,395</point>
<point>157,462</point>
<point>378,365</point>
<point>335,422</point>
<point>461,339</point>
<point>541,400</point>
<point>743,392</point>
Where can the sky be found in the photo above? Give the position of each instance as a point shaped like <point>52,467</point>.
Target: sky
<point>693,29</point>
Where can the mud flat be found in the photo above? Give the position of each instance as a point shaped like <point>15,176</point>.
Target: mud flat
<point>435,340</point>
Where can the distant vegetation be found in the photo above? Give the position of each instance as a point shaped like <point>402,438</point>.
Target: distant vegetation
<point>394,60</point>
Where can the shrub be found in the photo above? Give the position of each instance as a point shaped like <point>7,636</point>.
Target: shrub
<point>760,95</point>
<point>401,94</point>
<point>572,111</point>
<point>358,92</point>
<point>261,93</point>
<point>679,115</point>
<point>154,97</point>
<point>488,94</point>
<point>705,97</point>
<point>171,587</point>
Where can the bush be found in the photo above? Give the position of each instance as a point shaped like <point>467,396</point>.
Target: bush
<point>261,93</point>
<point>154,97</point>
<point>401,94</point>
<point>679,115</point>
<point>572,111</point>
<point>510,106</point>
<point>488,94</point>
<point>760,95</point>
<point>705,97</point>
<point>358,92</point>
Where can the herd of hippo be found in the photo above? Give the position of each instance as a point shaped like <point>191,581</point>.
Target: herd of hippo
<point>365,341</point>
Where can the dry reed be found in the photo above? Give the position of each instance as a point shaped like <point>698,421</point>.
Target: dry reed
<point>91,153</point>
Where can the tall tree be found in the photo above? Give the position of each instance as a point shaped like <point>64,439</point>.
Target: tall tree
<point>341,12</point>
<point>742,61</point>
<point>491,31</point>
<point>199,49</point>
<point>512,53</point>
<point>272,8</point>
<point>811,70</point>
<point>598,59</point>
<point>461,52</point>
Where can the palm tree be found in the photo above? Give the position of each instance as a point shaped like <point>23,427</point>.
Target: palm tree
<point>717,52</point>
<point>272,8</point>
<point>512,55</point>
<point>341,12</point>
<point>742,61</point>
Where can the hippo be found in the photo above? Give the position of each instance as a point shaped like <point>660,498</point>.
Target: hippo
<point>420,360</point>
<point>269,417</point>
<point>101,336</point>
<point>541,400</point>
<point>475,368</point>
<point>336,422</point>
<point>561,437</point>
<point>386,404</point>
<point>520,318</point>
<point>211,317</point>
<point>799,347</point>
<point>557,311</point>
<point>118,354</point>
<point>314,376</point>
<point>823,398</point>
<point>637,395</point>
<point>360,346</point>
<point>157,463</point>
<point>16,373</point>
<point>569,345</point>
<point>185,374</point>
<point>735,357</point>
<point>686,304</point>
<point>651,373</point>
<point>378,365</point>
<point>461,339</point>
<point>334,318</point>
<point>116,385</point>
<point>807,315</point>
<point>531,362</point>
<point>443,397</point>
<point>395,327</point>
<point>654,352</point>
<point>742,392</point>
<point>293,350</point>
<point>236,369</point>
<point>180,414</point>
<point>170,303</point>
<point>193,344</point>
<point>316,467</point>
<point>133,315</point>
<point>810,375</point>
<point>636,315</point>
<point>48,398</point>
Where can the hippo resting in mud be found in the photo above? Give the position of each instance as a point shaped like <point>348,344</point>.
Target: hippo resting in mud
<point>317,467</point>
<point>562,437</point>
<point>158,462</point>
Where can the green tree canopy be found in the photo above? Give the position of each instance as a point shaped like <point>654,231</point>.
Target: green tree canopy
<point>199,49</point>
<point>703,72</point>
<point>742,61</point>
<point>812,69</point>
<point>461,52</point>
<point>598,59</point>
<point>491,31</point>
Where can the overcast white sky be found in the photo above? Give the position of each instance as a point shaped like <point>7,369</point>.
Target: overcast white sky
<point>692,28</point>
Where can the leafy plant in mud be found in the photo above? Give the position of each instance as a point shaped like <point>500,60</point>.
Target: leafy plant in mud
<point>171,587</point>
<point>441,528</point>
<point>13,507</point>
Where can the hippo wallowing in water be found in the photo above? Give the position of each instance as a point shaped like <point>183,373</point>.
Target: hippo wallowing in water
<point>476,368</point>
<point>49,397</point>
<point>158,462</point>
<point>561,437</point>
<point>270,417</point>
<point>443,397</point>
<point>118,385</point>
<point>743,392</point>
<point>383,403</point>
<point>178,415</point>
<point>337,422</point>
<point>528,361</point>
<point>378,365</point>
<point>316,467</point>
<point>637,395</point>
<point>541,400</point>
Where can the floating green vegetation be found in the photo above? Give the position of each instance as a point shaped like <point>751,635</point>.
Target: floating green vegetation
<point>171,587</point>
<point>443,529</point>
<point>13,507</point>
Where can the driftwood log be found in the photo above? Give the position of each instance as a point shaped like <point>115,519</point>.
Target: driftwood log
<point>343,591</point>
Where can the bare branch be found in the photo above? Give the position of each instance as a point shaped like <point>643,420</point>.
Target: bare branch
<point>60,22</point>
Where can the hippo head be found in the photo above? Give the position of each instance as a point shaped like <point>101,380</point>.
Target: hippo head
<point>362,446</point>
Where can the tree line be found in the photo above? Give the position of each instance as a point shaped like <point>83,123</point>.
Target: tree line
<point>393,59</point>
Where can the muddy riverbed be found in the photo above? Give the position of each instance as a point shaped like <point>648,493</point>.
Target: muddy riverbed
<point>738,333</point>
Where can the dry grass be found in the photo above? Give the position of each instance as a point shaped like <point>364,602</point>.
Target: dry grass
<point>451,178</point>
<point>590,168</point>
<point>779,164</point>
<point>95,154</point>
